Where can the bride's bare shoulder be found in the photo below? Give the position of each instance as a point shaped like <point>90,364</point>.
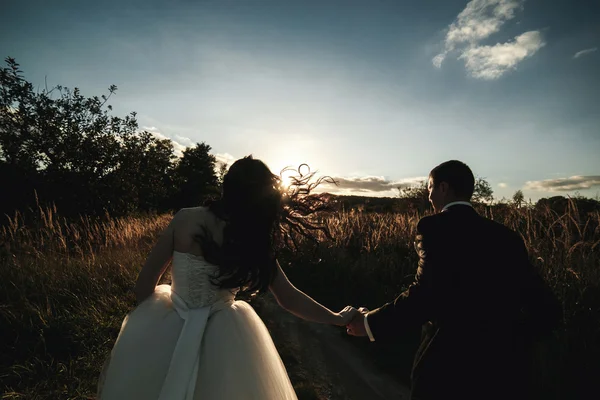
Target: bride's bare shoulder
<point>189,216</point>
<point>193,220</point>
<point>189,223</point>
<point>199,214</point>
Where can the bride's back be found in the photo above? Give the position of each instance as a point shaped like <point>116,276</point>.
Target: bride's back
<point>193,222</point>
<point>192,276</point>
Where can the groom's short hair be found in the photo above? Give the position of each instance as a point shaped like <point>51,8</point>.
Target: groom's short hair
<point>457,175</point>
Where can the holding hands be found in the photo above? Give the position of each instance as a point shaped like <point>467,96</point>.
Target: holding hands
<point>356,327</point>
<point>345,316</point>
<point>353,319</point>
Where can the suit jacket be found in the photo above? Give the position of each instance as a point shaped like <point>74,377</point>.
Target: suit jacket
<point>478,297</point>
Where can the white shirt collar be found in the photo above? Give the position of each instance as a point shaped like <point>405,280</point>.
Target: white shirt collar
<point>456,203</point>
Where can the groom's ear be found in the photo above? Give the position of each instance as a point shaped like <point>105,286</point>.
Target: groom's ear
<point>444,187</point>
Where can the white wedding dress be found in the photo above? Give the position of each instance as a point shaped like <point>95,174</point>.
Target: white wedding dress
<point>192,340</point>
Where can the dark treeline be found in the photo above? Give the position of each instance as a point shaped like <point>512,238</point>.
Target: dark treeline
<point>420,203</point>
<point>60,148</point>
<point>416,199</point>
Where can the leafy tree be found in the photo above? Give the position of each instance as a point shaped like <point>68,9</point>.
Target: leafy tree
<point>415,197</point>
<point>518,198</point>
<point>482,192</point>
<point>562,204</point>
<point>415,191</point>
<point>141,181</point>
<point>194,176</point>
<point>221,172</point>
<point>418,195</point>
<point>63,148</point>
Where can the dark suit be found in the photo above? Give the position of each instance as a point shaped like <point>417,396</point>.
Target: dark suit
<point>475,292</point>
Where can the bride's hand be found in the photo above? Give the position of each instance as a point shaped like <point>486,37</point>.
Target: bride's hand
<point>346,315</point>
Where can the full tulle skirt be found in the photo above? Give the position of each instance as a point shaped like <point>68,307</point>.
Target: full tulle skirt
<point>223,351</point>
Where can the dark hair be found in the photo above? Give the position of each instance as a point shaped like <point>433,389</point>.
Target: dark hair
<point>260,218</point>
<point>457,175</point>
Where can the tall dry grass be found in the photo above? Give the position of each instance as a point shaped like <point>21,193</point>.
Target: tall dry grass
<point>66,285</point>
<point>65,288</point>
<point>371,260</point>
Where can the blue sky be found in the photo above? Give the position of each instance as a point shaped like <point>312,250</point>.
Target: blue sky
<point>375,93</point>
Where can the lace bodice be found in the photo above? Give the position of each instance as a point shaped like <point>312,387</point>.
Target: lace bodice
<point>191,280</point>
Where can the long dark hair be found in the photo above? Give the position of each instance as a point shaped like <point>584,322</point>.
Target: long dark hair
<point>261,217</point>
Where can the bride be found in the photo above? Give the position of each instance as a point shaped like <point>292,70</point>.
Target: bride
<point>192,340</point>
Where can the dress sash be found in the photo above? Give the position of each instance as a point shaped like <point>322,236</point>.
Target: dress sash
<point>181,378</point>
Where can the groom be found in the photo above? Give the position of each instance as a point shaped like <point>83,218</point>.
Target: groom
<point>481,303</point>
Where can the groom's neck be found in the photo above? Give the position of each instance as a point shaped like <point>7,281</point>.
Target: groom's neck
<point>454,200</point>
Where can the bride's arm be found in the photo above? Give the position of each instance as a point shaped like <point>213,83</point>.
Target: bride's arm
<point>156,263</point>
<point>301,305</point>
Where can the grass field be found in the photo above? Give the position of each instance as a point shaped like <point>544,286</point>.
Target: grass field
<point>66,286</point>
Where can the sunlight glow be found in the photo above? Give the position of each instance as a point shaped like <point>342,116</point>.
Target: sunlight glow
<point>287,174</point>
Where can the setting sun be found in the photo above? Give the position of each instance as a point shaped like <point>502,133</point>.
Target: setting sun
<point>288,174</point>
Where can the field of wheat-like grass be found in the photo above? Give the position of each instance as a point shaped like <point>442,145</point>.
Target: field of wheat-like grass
<point>66,286</point>
<point>371,260</point>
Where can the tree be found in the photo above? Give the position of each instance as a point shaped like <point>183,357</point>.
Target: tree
<point>62,146</point>
<point>419,194</point>
<point>415,196</point>
<point>221,172</point>
<point>141,180</point>
<point>518,198</point>
<point>482,192</point>
<point>194,176</point>
<point>66,149</point>
<point>413,191</point>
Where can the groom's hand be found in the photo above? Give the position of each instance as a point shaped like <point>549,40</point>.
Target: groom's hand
<point>356,327</point>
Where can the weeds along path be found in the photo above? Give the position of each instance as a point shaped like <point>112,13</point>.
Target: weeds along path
<point>321,363</point>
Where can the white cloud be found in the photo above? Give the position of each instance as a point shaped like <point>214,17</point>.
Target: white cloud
<point>438,60</point>
<point>225,158</point>
<point>491,62</point>
<point>180,143</point>
<point>177,146</point>
<point>564,184</point>
<point>478,21</point>
<point>502,185</point>
<point>585,52</point>
<point>185,141</point>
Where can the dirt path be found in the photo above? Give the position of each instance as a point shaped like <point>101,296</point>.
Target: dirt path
<point>324,365</point>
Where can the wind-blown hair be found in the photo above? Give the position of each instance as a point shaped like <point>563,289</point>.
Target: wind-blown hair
<point>261,217</point>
